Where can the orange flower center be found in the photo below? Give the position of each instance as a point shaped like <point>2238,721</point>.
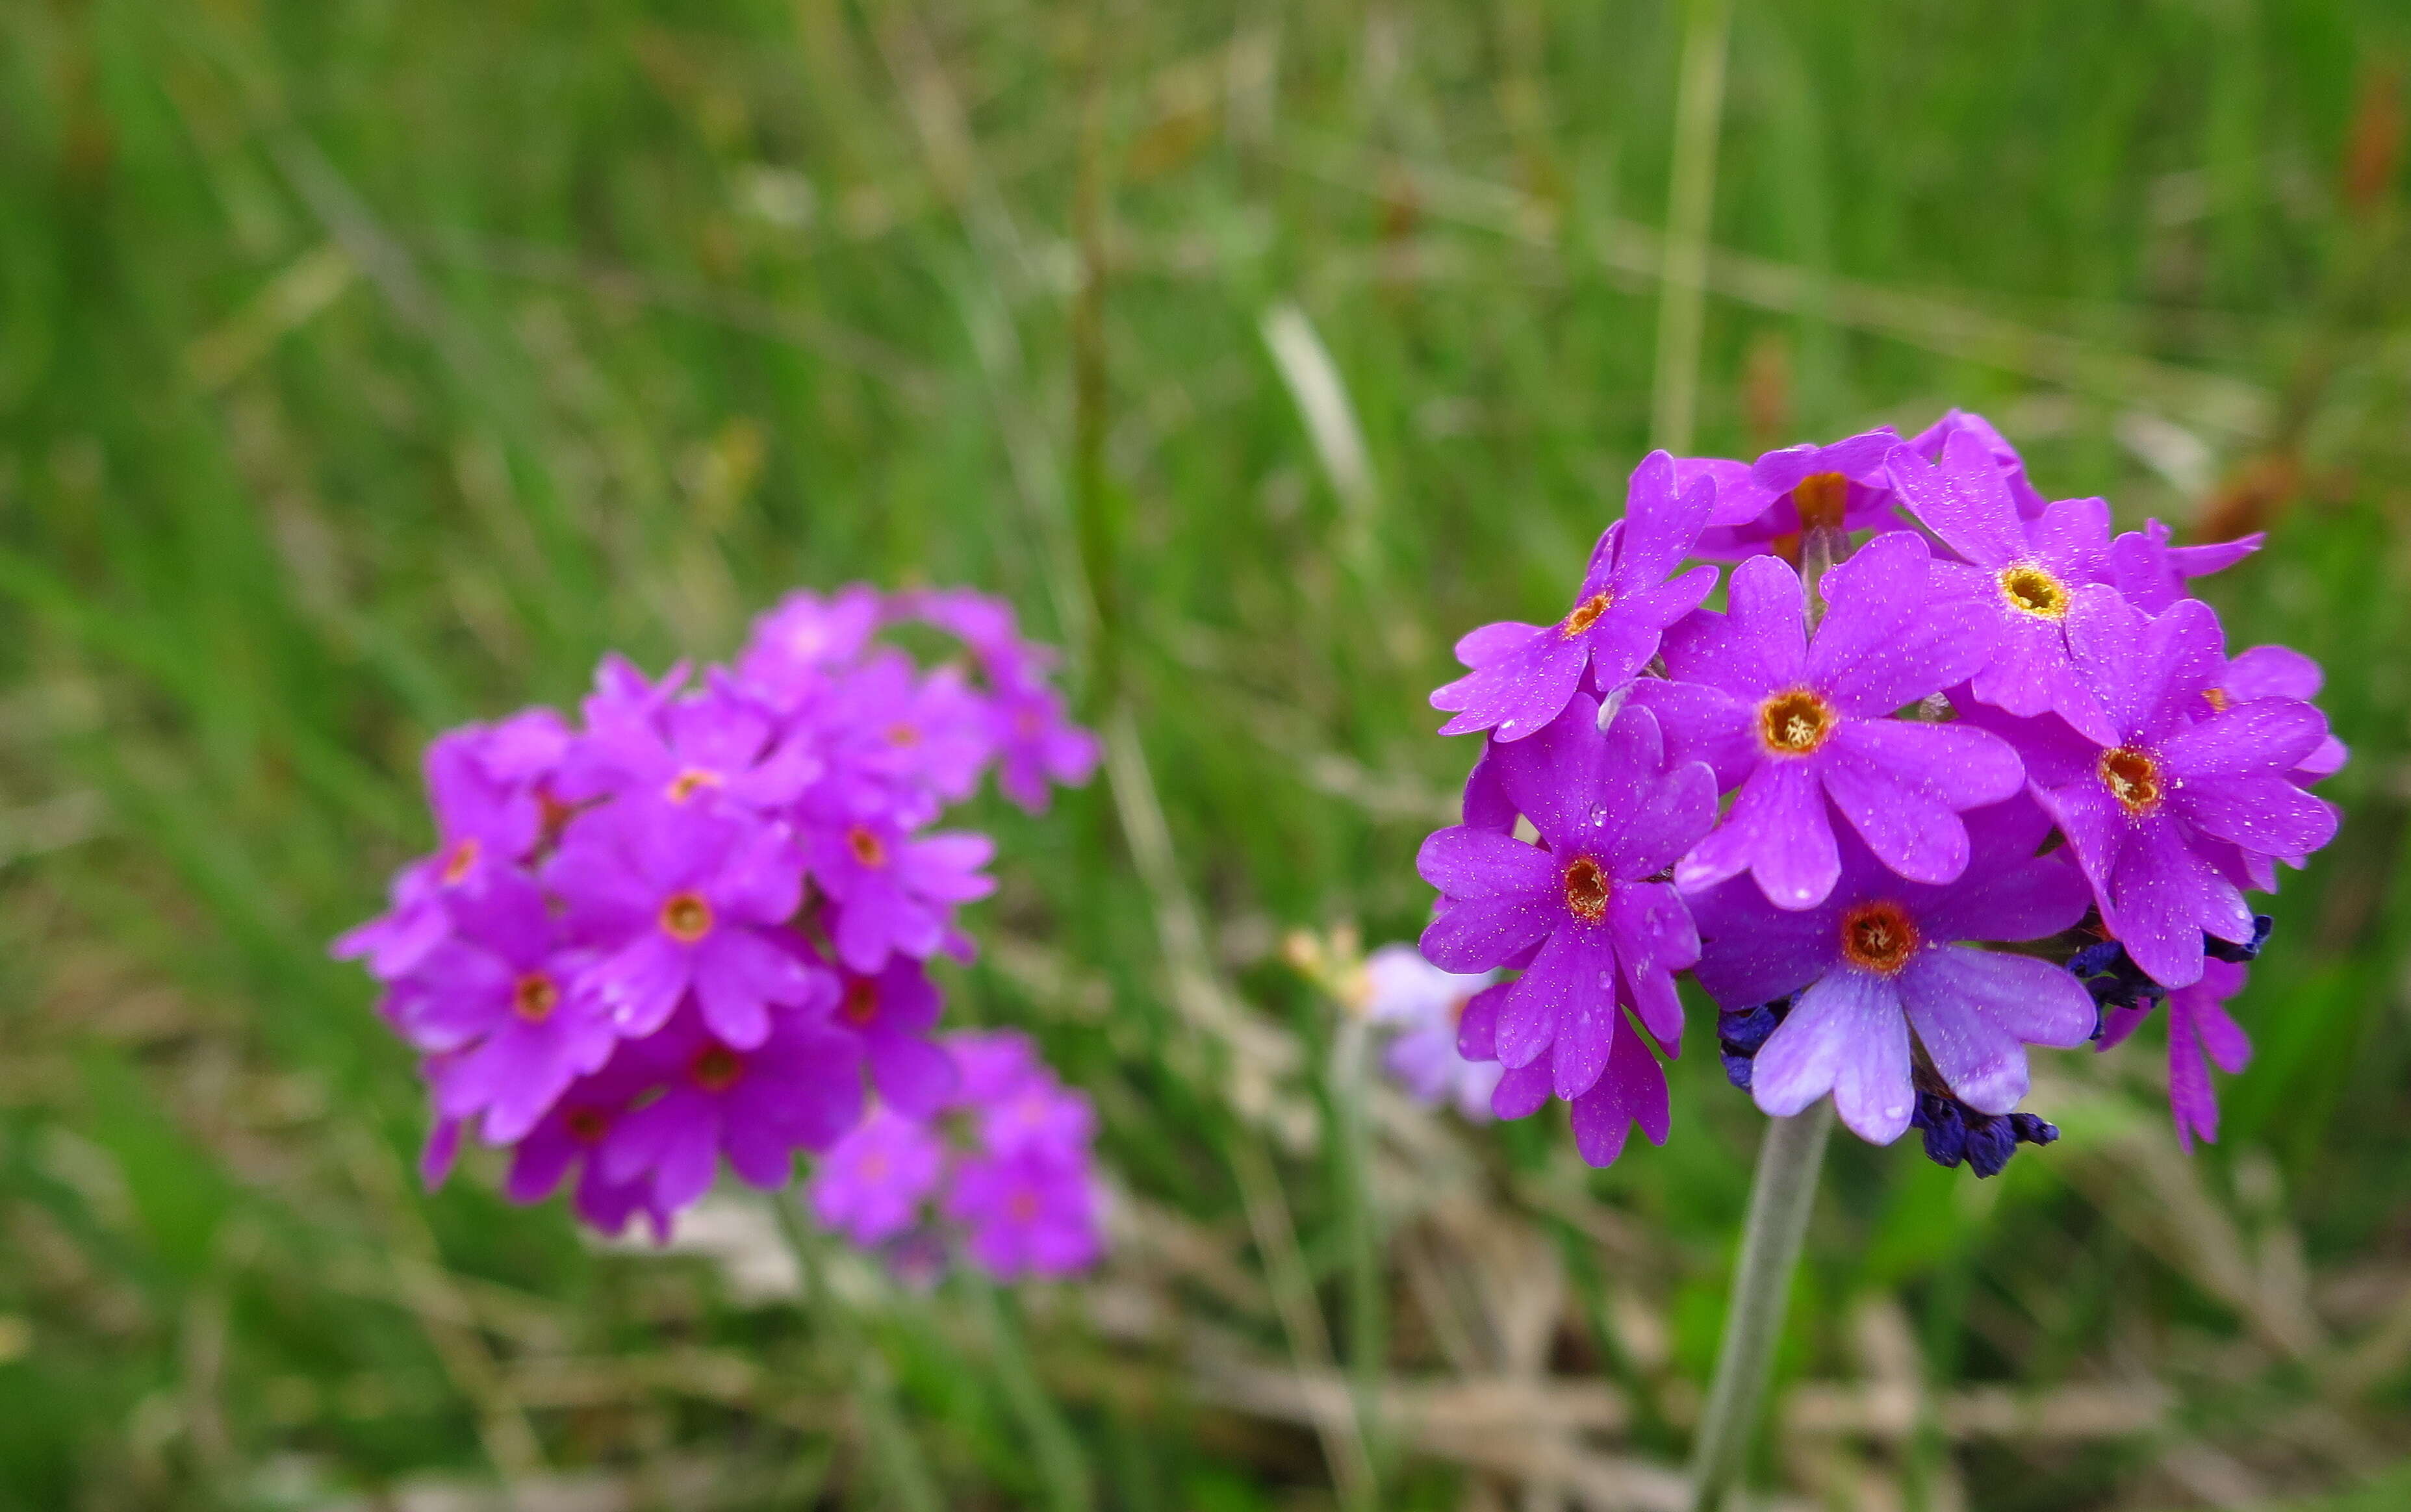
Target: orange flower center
<point>2031,590</point>
<point>2132,778</point>
<point>1879,937</point>
<point>686,917</point>
<point>2217,698</point>
<point>457,865</point>
<point>866,847</point>
<point>1023,1206</point>
<point>533,997</point>
<point>861,1002</point>
<point>1821,497</point>
<point>689,782</point>
<point>902,735</point>
<point>717,1068</point>
<point>1587,890</point>
<point>587,1126</point>
<point>1585,615</point>
<point>1795,722</point>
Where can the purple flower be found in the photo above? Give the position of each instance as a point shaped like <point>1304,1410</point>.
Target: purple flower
<point>2201,1034</point>
<point>1030,1213</point>
<point>496,1000</point>
<point>721,743</point>
<point>893,1009</point>
<point>2037,580</point>
<point>1793,720</point>
<point>2157,811</point>
<point>681,898</point>
<point>870,1186</point>
<point>1611,815</point>
<point>799,1088</point>
<point>1037,745</point>
<point>487,785</point>
<point>1761,506</point>
<point>895,892</point>
<point>1875,963</point>
<point>795,644</point>
<point>901,741</point>
<point>1930,442</point>
<point>2281,671</point>
<point>1016,1103</point>
<point>2151,573</point>
<point>1406,993</point>
<point>1526,673</point>
<point>572,1133</point>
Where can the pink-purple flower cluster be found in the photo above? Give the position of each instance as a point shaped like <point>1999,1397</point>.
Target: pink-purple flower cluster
<point>1989,781</point>
<point>1000,1170</point>
<point>690,924</point>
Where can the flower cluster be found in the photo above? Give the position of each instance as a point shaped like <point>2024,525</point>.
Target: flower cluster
<point>1990,724</point>
<point>1421,1006</point>
<point>1002,1167</point>
<point>690,924</point>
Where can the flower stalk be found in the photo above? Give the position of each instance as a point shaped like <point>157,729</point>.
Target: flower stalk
<point>1781,1196</point>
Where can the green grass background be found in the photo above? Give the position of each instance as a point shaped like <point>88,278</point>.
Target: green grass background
<point>367,367</point>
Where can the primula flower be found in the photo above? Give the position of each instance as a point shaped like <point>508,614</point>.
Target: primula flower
<point>893,1010</point>
<point>684,899</point>
<point>1793,720</point>
<point>721,743</point>
<point>2200,1035</point>
<point>1030,1213</point>
<point>571,1134</point>
<point>870,1186</point>
<point>2156,811</point>
<point>1037,746</point>
<point>1425,1005</point>
<point>1930,442</point>
<point>914,741</point>
<point>2151,573</point>
<point>895,892</point>
<point>1875,966</point>
<point>1523,675</point>
<point>795,644</point>
<point>799,1088</point>
<point>1765,505</point>
<point>1611,815</point>
<point>495,998</point>
<point>2036,579</point>
<point>486,784</point>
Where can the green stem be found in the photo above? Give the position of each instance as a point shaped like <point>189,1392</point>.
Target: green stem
<point>1052,1443</point>
<point>898,1458</point>
<point>1781,1195</point>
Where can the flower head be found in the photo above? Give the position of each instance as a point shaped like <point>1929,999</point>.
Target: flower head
<point>1523,674</point>
<point>1883,985</point>
<point>1804,725</point>
<point>1426,1007</point>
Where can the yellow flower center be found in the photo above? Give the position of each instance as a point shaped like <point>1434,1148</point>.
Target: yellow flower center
<point>2132,778</point>
<point>2031,590</point>
<point>533,997</point>
<point>1587,890</point>
<point>1879,937</point>
<point>1585,615</point>
<point>686,917</point>
<point>689,782</point>
<point>457,865</point>
<point>1795,722</point>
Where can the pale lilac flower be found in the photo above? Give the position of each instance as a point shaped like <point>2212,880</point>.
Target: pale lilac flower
<point>1877,963</point>
<point>2151,573</point>
<point>1030,1213</point>
<point>1795,720</point>
<point>1611,815</point>
<point>1526,673</point>
<point>799,1088</point>
<point>1423,1006</point>
<point>872,1183</point>
<point>2037,580</point>
<point>679,898</point>
<point>1764,504</point>
<point>2156,812</point>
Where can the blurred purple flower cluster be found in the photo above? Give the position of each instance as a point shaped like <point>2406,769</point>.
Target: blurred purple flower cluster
<point>1001,1168</point>
<point>1994,723</point>
<point>695,922</point>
